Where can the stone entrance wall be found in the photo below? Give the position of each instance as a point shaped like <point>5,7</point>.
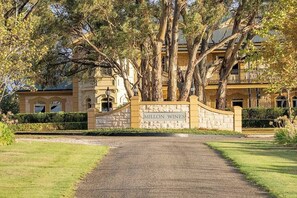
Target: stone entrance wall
<point>119,118</point>
<point>167,114</point>
<point>161,115</point>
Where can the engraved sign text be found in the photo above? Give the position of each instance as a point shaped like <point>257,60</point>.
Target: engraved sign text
<point>164,116</point>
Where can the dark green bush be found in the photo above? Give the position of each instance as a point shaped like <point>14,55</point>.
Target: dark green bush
<point>51,117</point>
<point>50,126</point>
<point>257,123</point>
<point>6,134</point>
<point>261,117</point>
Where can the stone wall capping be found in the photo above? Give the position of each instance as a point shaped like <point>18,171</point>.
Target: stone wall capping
<point>164,103</point>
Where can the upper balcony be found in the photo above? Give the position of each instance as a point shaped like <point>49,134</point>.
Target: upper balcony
<point>239,76</point>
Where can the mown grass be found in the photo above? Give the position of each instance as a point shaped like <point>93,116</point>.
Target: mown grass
<point>271,166</point>
<point>129,131</point>
<point>40,169</point>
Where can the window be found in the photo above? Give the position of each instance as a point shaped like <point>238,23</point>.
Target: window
<point>56,106</point>
<point>281,101</point>
<point>106,104</point>
<point>88,103</point>
<point>235,70</point>
<point>237,102</point>
<point>39,107</point>
<point>294,101</point>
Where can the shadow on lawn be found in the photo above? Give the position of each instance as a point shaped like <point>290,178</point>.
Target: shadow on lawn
<point>268,148</point>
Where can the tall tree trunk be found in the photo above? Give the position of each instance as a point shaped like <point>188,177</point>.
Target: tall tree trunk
<point>157,93</point>
<point>172,83</point>
<point>199,87</point>
<point>145,80</point>
<point>127,86</point>
<point>201,71</point>
<point>291,117</point>
<point>230,58</point>
<point>221,94</point>
<point>189,74</point>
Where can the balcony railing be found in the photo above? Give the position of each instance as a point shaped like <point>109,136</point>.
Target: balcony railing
<point>239,76</point>
<point>236,77</point>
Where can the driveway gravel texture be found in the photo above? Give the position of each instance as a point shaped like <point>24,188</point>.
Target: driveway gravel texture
<point>163,167</point>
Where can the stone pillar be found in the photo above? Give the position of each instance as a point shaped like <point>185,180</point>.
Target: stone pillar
<point>92,118</point>
<point>237,118</point>
<point>194,120</point>
<point>135,112</point>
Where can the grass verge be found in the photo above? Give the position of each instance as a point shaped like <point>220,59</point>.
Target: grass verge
<point>129,131</point>
<point>40,169</point>
<point>271,166</point>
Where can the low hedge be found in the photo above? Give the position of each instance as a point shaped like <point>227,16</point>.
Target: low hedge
<point>261,117</point>
<point>50,126</point>
<point>265,113</point>
<point>50,117</point>
<point>257,123</point>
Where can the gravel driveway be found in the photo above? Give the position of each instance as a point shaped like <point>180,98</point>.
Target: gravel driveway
<point>162,167</point>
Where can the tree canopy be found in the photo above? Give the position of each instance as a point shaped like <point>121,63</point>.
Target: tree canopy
<point>23,43</point>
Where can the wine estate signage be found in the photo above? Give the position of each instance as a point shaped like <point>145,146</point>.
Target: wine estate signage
<point>164,116</point>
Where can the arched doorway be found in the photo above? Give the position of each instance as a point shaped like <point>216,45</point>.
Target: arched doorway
<point>105,104</point>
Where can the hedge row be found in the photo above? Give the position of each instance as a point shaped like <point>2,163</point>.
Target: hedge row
<point>257,123</point>
<point>50,117</point>
<point>265,113</point>
<point>262,117</point>
<point>50,126</point>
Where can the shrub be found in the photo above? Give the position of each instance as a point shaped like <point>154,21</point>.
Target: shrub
<point>6,134</point>
<point>261,117</point>
<point>287,133</point>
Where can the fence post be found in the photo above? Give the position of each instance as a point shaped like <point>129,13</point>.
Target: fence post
<point>92,118</point>
<point>135,112</point>
<point>237,118</point>
<point>194,120</point>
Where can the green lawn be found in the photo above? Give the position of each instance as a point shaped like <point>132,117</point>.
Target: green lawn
<point>39,169</point>
<point>271,166</point>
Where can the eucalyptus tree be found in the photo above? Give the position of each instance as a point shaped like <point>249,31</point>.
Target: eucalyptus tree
<point>201,19</point>
<point>21,44</point>
<point>247,15</point>
<point>114,33</point>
